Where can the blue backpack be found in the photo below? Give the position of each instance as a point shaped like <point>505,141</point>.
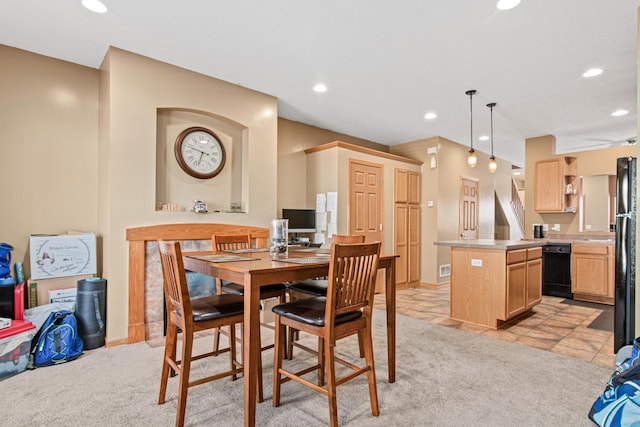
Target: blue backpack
<point>57,341</point>
<point>619,405</point>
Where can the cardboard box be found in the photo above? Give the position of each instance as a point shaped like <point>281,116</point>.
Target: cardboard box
<point>14,353</point>
<point>62,255</point>
<point>43,286</point>
<point>266,315</point>
<point>63,295</point>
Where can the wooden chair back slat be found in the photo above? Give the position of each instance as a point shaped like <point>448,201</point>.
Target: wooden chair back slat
<point>175,281</point>
<point>352,274</point>
<point>230,242</point>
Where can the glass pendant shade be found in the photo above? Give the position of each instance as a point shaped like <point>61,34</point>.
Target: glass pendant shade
<point>493,165</point>
<point>472,160</point>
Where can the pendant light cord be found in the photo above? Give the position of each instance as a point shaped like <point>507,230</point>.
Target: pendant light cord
<point>491,105</point>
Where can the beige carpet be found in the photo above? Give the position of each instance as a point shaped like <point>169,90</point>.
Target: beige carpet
<point>445,377</point>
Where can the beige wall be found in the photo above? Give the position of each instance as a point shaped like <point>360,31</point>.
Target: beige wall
<point>442,186</point>
<point>136,87</point>
<point>593,162</point>
<point>328,170</point>
<point>293,139</point>
<point>49,140</point>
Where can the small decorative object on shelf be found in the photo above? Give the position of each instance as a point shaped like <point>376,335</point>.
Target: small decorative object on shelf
<point>235,207</point>
<point>199,207</point>
<point>169,206</point>
<point>569,189</point>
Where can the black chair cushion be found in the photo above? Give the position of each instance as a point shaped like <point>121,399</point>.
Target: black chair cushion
<point>235,289</point>
<point>315,287</point>
<point>216,306</point>
<point>311,311</point>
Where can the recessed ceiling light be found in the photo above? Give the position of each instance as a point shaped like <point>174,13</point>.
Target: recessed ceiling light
<point>430,116</point>
<point>484,138</point>
<point>320,88</point>
<point>619,113</point>
<point>94,6</point>
<point>507,4</point>
<point>592,72</point>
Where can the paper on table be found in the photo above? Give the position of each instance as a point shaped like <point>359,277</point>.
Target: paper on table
<point>318,238</point>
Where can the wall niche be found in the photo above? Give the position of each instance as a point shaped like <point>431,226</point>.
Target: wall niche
<point>175,189</point>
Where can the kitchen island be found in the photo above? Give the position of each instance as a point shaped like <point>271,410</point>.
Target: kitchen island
<point>494,281</point>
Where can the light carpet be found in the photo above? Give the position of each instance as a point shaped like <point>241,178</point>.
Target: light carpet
<point>445,377</point>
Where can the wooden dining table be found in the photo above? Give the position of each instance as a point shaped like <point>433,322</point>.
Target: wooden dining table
<point>257,268</point>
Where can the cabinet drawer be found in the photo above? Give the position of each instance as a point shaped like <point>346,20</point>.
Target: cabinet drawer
<point>519,255</point>
<point>534,253</point>
<point>585,248</point>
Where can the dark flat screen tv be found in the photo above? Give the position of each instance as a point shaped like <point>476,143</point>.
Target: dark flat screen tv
<point>300,220</point>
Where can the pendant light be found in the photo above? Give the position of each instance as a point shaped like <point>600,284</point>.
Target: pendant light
<point>472,160</point>
<point>493,166</point>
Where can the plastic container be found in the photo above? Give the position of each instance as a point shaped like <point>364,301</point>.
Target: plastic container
<point>91,311</point>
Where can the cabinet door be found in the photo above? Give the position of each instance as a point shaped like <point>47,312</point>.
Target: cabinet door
<point>413,192</point>
<point>590,274</point>
<point>548,193</point>
<point>516,289</point>
<point>401,242</point>
<point>534,282</point>
<point>401,182</point>
<point>413,232</point>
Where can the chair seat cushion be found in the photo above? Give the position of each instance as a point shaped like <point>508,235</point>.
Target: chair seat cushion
<point>235,289</point>
<point>315,287</point>
<point>312,311</point>
<point>216,306</point>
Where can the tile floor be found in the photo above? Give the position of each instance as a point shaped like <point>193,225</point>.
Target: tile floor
<point>552,326</point>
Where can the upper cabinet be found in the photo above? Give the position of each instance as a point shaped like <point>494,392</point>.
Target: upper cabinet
<point>556,185</point>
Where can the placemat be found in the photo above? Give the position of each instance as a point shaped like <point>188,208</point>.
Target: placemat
<point>246,251</point>
<point>312,250</point>
<point>221,258</point>
<point>306,260</point>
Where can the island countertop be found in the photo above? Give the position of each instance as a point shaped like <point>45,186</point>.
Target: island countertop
<point>493,244</point>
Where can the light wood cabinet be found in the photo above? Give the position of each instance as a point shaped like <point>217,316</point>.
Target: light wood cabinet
<point>556,185</point>
<point>592,272</point>
<point>524,281</point>
<point>492,286</point>
<point>406,235</point>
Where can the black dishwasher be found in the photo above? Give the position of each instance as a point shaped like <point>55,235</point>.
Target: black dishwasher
<point>556,270</point>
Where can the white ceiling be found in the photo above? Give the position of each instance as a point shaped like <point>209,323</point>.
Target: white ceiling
<point>386,63</point>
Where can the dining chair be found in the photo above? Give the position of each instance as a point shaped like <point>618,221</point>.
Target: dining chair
<point>315,288</point>
<point>344,311</point>
<point>235,242</point>
<point>191,316</point>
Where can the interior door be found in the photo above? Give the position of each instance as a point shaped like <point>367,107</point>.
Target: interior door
<point>468,209</point>
<point>365,204</point>
<point>365,200</point>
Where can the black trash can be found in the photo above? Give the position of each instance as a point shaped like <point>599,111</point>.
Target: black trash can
<point>91,311</point>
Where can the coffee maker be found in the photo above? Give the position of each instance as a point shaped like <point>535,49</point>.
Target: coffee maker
<point>540,231</point>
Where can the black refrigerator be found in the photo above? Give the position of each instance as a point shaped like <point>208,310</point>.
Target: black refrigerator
<point>625,269</point>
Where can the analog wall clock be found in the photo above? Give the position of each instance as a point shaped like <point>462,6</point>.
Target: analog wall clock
<point>200,152</point>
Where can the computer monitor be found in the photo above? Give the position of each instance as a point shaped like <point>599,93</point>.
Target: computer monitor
<point>300,220</point>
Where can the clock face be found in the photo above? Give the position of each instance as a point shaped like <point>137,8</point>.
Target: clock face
<point>200,153</point>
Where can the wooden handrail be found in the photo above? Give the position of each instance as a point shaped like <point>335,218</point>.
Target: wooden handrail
<point>517,205</point>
